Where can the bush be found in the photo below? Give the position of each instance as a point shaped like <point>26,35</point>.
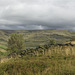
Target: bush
<point>52,41</point>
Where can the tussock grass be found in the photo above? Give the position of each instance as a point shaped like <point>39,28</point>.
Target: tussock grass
<point>44,65</point>
<point>57,60</point>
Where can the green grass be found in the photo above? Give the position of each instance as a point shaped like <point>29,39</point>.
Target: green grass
<point>4,53</point>
<point>53,62</point>
<point>3,47</point>
<point>39,66</point>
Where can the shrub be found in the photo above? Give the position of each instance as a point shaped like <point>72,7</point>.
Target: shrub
<point>52,41</point>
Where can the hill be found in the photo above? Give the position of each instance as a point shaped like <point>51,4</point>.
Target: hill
<point>34,38</point>
<point>43,60</point>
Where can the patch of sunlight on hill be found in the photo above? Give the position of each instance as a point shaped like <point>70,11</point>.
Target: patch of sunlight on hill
<point>2,50</point>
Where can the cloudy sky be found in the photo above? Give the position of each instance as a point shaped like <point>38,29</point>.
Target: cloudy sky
<point>37,14</point>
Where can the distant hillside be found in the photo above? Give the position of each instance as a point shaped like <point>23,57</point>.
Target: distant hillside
<point>34,38</point>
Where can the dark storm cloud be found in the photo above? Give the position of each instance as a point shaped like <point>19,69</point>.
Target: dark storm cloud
<point>37,14</point>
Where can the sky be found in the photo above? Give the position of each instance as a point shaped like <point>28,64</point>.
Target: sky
<point>37,14</point>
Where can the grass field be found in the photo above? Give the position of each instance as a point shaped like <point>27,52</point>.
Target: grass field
<point>44,65</point>
<point>57,60</point>
<point>34,38</point>
<point>3,47</point>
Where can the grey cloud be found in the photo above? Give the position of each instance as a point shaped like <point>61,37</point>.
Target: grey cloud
<point>23,27</point>
<point>30,14</point>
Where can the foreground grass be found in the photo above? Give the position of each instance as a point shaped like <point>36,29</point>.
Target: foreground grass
<point>44,65</point>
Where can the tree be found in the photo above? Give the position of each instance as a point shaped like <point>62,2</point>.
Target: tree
<point>16,42</point>
<point>52,41</point>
